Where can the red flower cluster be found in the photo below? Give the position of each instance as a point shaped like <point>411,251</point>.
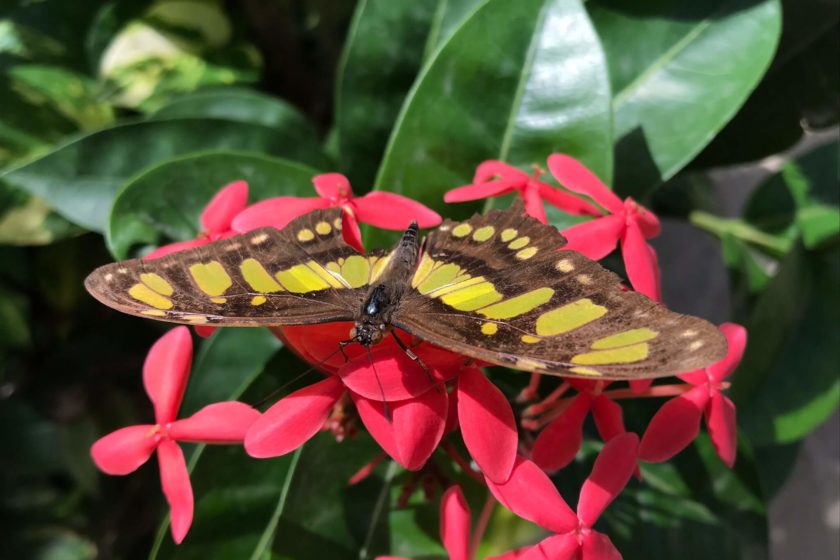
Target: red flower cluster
<point>412,408</point>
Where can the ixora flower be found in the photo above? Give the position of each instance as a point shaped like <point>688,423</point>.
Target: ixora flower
<point>380,209</point>
<point>165,374</point>
<point>626,221</point>
<point>495,178</point>
<point>215,219</point>
<point>677,423</point>
<point>403,406</point>
<point>530,494</point>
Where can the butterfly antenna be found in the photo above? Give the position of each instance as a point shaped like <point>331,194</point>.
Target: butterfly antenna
<point>379,383</point>
<point>296,378</point>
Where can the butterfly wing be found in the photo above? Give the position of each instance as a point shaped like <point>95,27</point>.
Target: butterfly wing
<point>303,274</point>
<point>497,288</point>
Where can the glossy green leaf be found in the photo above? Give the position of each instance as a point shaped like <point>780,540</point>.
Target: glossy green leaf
<point>81,178</point>
<point>382,56</point>
<point>516,81</point>
<point>154,207</point>
<point>448,17</point>
<point>28,220</point>
<point>679,72</point>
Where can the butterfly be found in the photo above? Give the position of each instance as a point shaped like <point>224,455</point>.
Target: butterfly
<point>496,288</point>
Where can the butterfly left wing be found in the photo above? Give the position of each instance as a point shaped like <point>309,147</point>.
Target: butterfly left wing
<point>497,288</point>
<point>303,274</point>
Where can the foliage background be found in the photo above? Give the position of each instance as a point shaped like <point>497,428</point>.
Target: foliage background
<point>120,119</point>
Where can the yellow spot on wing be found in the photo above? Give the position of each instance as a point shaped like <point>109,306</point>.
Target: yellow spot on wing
<point>489,328</point>
<point>145,294</point>
<point>509,234</point>
<point>518,305</point>
<point>423,270</point>
<point>461,230</point>
<point>624,339</point>
<point>528,365</point>
<point>624,355</point>
<point>378,266</point>
<point>157,283</point>
<point>568,317</point>
<point>526,253</point>
<point>439,277</point>
<point>356,271</point>
<point>565,265</point>
<point>459,283</point>
<point>154,313</point>
<point>586,371</point>
<point>301,279</point>
<point>305,235</point>
<point>528,339</point>
<point>472,297</point>
<point>337,223</point>
<point>484,233</point>
<point>325,275</point>
<point>323,228</point>
<point>219,300</point>
<point>258,300</point>
<point>211,277</point>
<point>519,243</point>
<point>257,277</point>
<point>197,319</point>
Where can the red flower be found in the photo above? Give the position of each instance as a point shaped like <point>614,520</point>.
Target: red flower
<point>215,219</point>
<point>381,209</point>
<point>530,494</point>
<point>419,406</point>
<point>165,376</point>
<point>560,441</point>
<point>494,178</point>
<point>626,221</point>
<point>677,423</point>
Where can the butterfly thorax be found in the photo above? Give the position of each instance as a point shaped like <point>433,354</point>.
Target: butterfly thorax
<point>373,319</point>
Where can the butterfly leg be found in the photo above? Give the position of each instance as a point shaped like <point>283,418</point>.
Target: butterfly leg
<point>341,346</point>
<point>417,359</point>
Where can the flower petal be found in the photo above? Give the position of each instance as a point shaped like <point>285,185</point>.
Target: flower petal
<point>394,376</point>
<point>492,170</point>
<point>533,203</point>
<point>596,238</point>
<point>332,186</point>
<point>640,262</point>
<point>222,208</point>
<point>124,450</point>
<point>640,385</point>
<point>415,428</point>
<point>530,494</point>
<point>292,420</point>
<point>175,480</point>
<point>598,546</point>
<point>393,211</point>
<point>455,524</point>
<point>478,191</point>
<point>560,441</point>
<point>674,426</point>
<point>275,212</point>
<point>613,468</point>
<point>573,175</point>
<point>164,250</point>
<point>203,330</point>
<point>555,547</point>
<point>350,231</point>
<point>223,422</point>
<point>608,417</point>
<point>488,425</point>
<point>318,344</point>
<point>736,338</point>
<point>720,419</point>
<point>166,370</point>
<point>566,201</point>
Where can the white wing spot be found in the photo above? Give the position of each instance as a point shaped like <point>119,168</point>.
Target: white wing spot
<point>257,239</point>
<point>695,345</point>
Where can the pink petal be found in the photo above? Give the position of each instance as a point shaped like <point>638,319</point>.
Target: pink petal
<point>222,208</point>
<point>491,170</point>
<point>639,262</point>
<point>318,344</point>
<point>452,413</point>
<point>415,428</point>
<point>533,203</point>
<point>292,420</point>
<point>696,377</point>
<point>596,238</point>
<point>332,186</point>
<point>164,250</point>
<point>166,371</point>
<point>224,422</point>
<point>736,338</point>
<point>480,190</point>
<point>567,201</point>
<point>399,377</point>
<point>488,425</point>
<point>597,546</point>
<point>124,450</point>
<point>455,524</point>
<point>350,231</point>
<point>720,419</point>
<point>640,385</point>
<point>560,441</point>
<point>613,468</point>
<point>608,417</point>
<point>275,212</point>
<point>393,211</point>
<point>648,222</point>
<point>573,175</point>
<point>175,480</point>
<point>674,426</point>
<point>530,494</point>
<point>204,331</point>
<point>555,547</point>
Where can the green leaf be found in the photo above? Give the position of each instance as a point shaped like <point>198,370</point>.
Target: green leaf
<point>154,206</point>
<point>679,72</point>
<point>516,81</point>
<point>81,178</point>
<point>382,55</point>
<point>449,16</point>
<point>787,383</point>
<point>28,220</point>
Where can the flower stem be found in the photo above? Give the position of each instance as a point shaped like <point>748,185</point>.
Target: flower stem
<point>483,521</point>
